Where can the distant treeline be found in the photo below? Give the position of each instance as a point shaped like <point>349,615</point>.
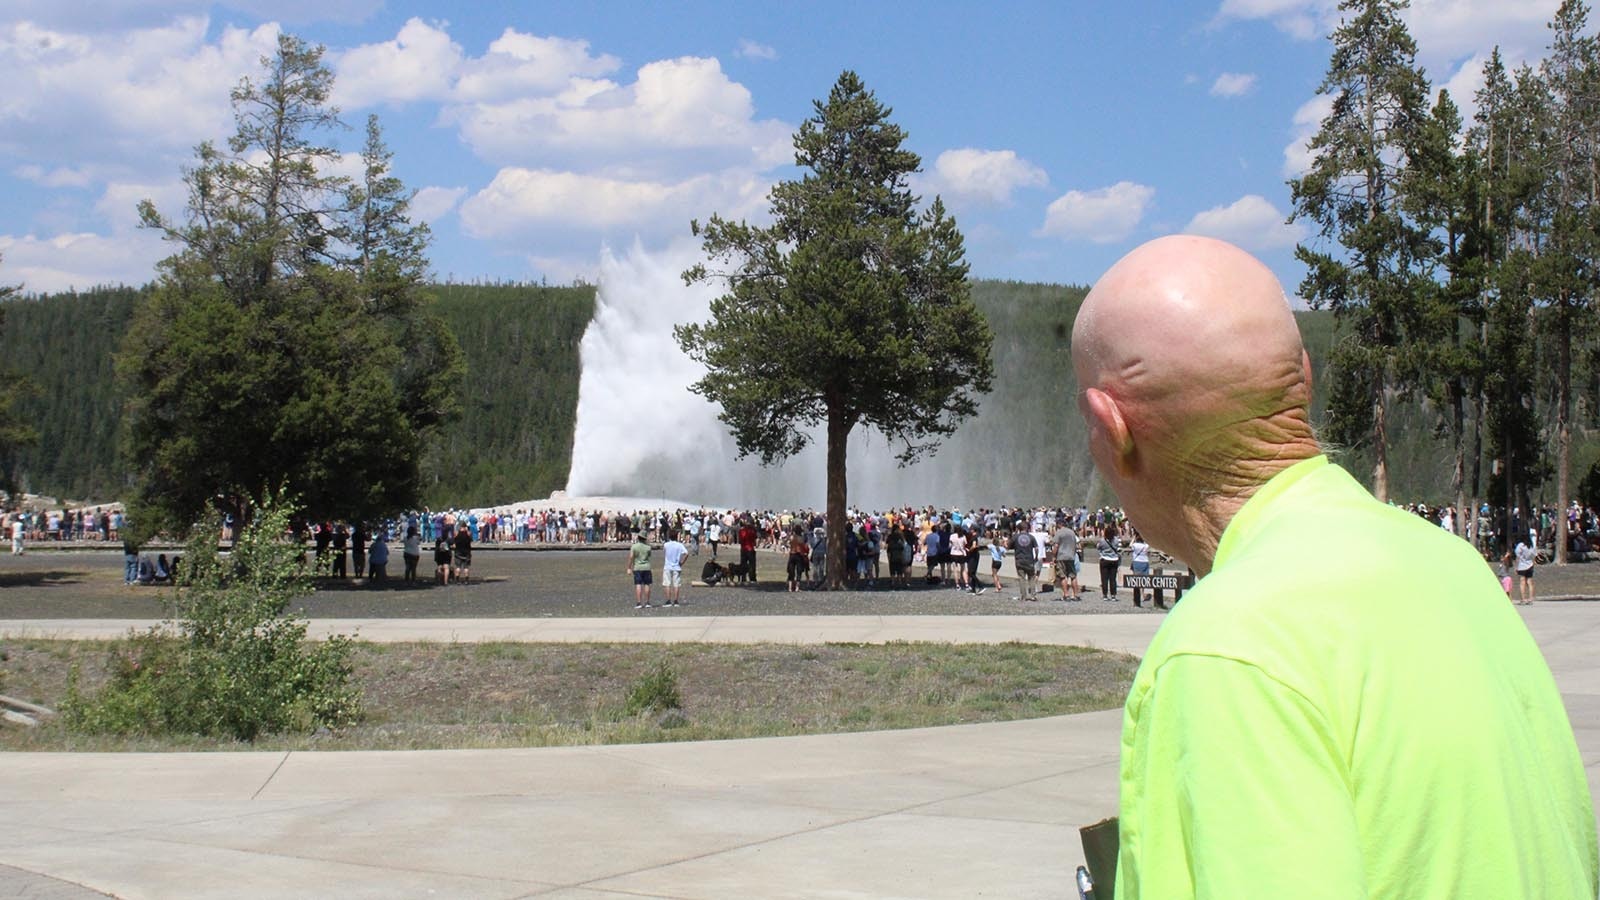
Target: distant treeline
<point>514,438</point>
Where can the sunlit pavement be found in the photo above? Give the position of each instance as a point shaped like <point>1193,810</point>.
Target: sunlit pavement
<point>963,811</point>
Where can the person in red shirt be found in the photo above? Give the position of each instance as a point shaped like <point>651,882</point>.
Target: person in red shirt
<point>747,548</point>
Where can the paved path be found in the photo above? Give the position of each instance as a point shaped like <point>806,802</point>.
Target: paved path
<point>959,812</point>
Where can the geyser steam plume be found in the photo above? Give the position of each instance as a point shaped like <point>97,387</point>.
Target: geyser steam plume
<point>641,432</point>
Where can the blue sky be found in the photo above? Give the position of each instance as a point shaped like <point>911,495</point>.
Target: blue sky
<point>1061,134</point>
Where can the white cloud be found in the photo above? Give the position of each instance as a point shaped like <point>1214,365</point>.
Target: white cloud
<point>79,260</point>
<point>678,115</point>
<point>983,176</point>
<point>529,201</point>
<point>433,203</point>
<point>1102,216</point>
<point>1302,19</point>
<point>152,94</point>
<point>1445,30</point>
<point>119,203</point>
<point>749,49</point>
<point>419,64</point>
<point>108,16</point>
<point>61,176</point>
<point>1233,84</point>
<point>518,64</point>
<point>1251,222</point>
<point>1308,118</point>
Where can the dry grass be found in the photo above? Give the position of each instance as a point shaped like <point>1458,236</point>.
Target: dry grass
<point>450,695</point>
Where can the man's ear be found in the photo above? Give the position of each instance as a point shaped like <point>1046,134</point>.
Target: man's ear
<point>1108,419</point>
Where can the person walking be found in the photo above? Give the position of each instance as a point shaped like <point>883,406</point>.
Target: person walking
<point>639,567</point>
<point>1525,554</point>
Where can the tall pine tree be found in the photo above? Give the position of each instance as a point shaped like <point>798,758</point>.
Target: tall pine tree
<point>1353,192</point>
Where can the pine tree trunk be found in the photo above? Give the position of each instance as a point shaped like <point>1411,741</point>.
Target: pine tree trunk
<point>1563,439</point>
<point>1458,474</point>
<point>1380,441</point>
<point>838,443</point>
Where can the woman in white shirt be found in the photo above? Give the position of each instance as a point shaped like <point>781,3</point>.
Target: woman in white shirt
<point>1139,562</point>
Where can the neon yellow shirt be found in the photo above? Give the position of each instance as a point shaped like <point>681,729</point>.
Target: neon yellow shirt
<point>1347,707</point>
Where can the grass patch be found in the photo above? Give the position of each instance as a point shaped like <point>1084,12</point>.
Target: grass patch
<point>435,695</point>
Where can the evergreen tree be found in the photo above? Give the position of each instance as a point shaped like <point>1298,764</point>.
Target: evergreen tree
<point>14,433</point>
<point>281,349</point>
<point>852,308</point>
<point>1353,193</point>
<point>1441,194</point>
<point>1563,272</point>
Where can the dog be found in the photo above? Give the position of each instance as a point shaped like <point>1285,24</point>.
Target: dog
<point>737,573</point>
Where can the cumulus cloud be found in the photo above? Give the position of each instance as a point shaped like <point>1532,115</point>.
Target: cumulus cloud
<point>982,176</point>
<point>1102,216</point>
<point>1445,30</point>
<point>152,93</point>
<point>522,201</point>
<point>749,49</point>
<point>79,260</point>
<point>1233,84</point>
<point>1251,222</point>
<point>517,64</point>
<point>433,203</point>
<point>419,64</point>
<point>1308,118</point>
<point>678,115</point>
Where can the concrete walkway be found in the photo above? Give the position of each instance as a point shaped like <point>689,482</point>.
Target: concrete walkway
<point>959,812</point>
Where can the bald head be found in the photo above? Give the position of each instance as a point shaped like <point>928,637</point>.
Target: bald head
<point>1194,377</point>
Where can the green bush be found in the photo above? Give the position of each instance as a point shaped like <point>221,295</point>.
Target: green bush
<point>233,661</point>
<point>654,691</point>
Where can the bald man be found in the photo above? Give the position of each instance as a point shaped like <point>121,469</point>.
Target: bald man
<point>1344,705</point>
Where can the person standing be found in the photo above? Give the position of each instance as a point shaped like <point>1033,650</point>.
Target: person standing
<point>1343,707</point>
<point>1065,544</point>
<point>747,548</point>
<point>441,557</point>
<point>1110,549</point>
<point>358,549</point>
<point>19,530</point>
<point>341,540</point>
<point>411,552</point>
<point>639,567</point>
<point>997,558</point>
<point>1139,564</point>
<point>799,558</point>
<point>1024,558</point>
<point>461,553</point>
<point>1526,555</point>
<point>673,552</point>
<point>974,558</point>
<point>958,557</point>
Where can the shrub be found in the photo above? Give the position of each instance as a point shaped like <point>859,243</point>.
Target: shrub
<point>232,661</point>
<point>654,691</point>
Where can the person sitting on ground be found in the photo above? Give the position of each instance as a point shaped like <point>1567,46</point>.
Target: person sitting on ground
<point>441,558</point>
<point>712,573</point>
<point>378,557</point>
<point>161,574</point>
<point>1303,726</point>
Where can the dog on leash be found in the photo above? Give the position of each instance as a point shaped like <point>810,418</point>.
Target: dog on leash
<point>737,573</point>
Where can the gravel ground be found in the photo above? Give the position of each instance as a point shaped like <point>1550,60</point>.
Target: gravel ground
<point>570,583</point>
